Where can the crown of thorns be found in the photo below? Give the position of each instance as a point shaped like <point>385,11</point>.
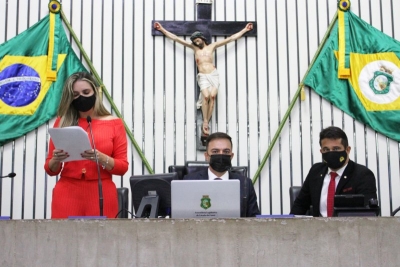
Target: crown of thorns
<point>197,35</point>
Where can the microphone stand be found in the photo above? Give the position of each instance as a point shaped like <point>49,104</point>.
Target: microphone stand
<point>89,120</point>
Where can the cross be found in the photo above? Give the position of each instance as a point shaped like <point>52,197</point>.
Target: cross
<point>204,24</point>
<point>208,28</point>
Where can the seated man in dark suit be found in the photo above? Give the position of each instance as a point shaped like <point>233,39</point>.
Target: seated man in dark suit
<point>336,175</point>
<point>219,155</point>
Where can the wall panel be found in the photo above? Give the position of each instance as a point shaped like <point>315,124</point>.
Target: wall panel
<point>152,81</point>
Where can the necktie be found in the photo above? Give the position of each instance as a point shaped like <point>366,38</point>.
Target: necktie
<point>331,194</point>
<point>217,178</point>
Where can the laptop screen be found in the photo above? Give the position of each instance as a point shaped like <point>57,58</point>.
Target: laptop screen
<point>205,199</point>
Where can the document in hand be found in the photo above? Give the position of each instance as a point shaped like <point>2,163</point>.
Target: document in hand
<point>73,140</point>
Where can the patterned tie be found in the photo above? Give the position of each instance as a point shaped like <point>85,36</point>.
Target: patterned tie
<point>331,194</point>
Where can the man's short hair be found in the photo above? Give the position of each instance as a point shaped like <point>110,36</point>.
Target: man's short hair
<point>333,132</point>
<point>217,135</point>
<point>198,34</point>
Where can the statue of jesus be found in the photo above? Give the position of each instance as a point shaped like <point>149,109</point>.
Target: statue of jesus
<point>207,77</point>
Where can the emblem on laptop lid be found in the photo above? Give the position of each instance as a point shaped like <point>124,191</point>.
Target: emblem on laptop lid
<point>205,202</point>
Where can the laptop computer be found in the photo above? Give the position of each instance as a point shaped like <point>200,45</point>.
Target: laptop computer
<point>205,199</point>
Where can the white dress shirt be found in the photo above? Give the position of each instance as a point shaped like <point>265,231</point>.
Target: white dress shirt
<point>212,176</point>
<point>324,191</point>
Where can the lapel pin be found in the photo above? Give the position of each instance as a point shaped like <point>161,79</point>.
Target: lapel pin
<point>345,177</point>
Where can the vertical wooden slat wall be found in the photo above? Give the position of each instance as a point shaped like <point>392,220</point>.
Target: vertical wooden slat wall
<point>152,81</point>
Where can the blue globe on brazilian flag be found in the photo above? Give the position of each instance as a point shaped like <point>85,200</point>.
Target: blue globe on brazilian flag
<point>33,68</point>
<point>358,70</point>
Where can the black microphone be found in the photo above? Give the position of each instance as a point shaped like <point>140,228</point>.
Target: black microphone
<point>89,120</point>
<point>10,175</point>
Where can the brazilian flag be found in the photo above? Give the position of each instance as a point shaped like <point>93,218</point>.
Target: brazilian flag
<point>358,70</point>
<point>33,68</point>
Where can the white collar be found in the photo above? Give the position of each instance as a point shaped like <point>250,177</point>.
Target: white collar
<point>339,172</point>
<point>212,176</point>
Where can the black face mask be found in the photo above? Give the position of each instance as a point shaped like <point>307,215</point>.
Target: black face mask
<point>335,159</point>
<point>220,162</point>
<point>84,103</point>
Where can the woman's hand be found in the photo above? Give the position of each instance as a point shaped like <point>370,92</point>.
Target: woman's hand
<point>59,155</point>
<point>90,155</point>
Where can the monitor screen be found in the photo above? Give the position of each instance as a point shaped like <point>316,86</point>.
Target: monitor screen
<point>353,205</point>
<point>349,201</point>
<point>143,185</point>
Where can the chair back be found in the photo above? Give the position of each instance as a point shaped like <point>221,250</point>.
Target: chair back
<point>179,169</point>
<point>242,170</point>
<point>293,193</point>
<point>194,166</point>
<point>123,201</point>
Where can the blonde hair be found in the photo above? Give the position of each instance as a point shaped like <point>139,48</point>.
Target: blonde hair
<point>66,111</point>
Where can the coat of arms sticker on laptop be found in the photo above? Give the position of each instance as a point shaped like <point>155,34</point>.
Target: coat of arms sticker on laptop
<point>205,202</point>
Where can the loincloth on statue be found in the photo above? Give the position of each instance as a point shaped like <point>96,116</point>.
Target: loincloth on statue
<point>206,81</point>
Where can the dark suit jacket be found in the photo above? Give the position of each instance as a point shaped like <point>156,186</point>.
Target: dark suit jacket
<point>248,208</point>
<point>356,179</point>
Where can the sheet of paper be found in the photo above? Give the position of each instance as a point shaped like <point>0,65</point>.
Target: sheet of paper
<point>73,140</point>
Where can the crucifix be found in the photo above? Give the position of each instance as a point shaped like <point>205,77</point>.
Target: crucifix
<point>200,32</point>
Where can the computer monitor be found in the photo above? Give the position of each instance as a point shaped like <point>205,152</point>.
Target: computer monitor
<point>354,206</point>
<point>151,194</point>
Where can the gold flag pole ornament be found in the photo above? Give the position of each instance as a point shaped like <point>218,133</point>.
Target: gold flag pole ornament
<point>54,8</point>
<point>344,44</point>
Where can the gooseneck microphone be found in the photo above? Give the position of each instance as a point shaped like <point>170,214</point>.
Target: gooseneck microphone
<point>89,120</point>
<point>10,175</point>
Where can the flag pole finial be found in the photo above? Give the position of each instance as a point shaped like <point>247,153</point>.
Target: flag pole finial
<point>344,5</point>
<point>54,6</point>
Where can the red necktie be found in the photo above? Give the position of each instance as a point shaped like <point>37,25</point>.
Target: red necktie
<point>331,194</point>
